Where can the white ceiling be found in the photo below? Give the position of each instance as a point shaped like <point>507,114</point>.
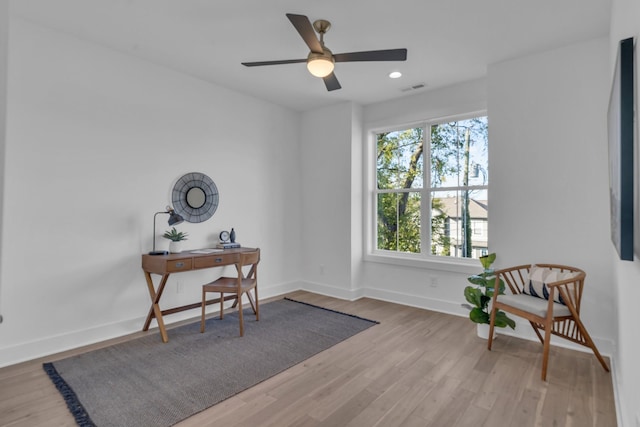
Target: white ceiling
<point>448,41</point>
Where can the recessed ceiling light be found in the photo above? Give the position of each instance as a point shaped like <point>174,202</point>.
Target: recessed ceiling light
<point>395,74</point>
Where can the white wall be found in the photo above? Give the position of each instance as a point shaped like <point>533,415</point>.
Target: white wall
<point>626,285</point>
<point>95,141</point>
<point>4,54</point>
<point>326,160</point>
<point>357,198</point>
<point>549,185</point>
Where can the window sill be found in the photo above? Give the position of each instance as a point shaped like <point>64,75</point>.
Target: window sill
<point>463,266</point>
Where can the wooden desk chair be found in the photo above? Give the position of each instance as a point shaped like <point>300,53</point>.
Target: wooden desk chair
<point>548,296</point>
<point>238,285</point>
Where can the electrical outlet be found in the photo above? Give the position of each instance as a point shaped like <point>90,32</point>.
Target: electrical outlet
<point>179,287</point>
<point>321,268</point>
<point>433,281</point>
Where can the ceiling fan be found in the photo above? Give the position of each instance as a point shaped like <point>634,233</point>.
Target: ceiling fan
<point>320,61</point>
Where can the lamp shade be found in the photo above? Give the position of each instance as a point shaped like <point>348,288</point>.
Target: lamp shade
<point>174,218</point>
<point>320,65</point>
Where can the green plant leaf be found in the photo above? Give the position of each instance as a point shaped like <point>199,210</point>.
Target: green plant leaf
<point>490,288</point>
<point>175,235</point>
<point>484,302</point>
<point>487,260</point>
<point>480,296</point>
<point>473,296</point>
<point>478,316</point>
<point>489,291</point>
<point>502,321</point>
<point>477,279</point>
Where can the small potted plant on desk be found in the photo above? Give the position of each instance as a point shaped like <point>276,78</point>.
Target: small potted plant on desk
<point>176,237</point>
<point>480,294</point>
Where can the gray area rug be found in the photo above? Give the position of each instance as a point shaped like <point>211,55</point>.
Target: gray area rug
<point>145,382</point>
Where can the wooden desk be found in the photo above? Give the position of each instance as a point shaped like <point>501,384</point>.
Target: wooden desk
<point>165,265</point>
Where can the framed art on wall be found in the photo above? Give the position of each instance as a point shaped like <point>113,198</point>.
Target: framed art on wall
<point>621,128</point>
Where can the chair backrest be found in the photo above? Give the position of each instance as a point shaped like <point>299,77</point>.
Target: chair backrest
<point>251,258</point>
<point>520,278</point>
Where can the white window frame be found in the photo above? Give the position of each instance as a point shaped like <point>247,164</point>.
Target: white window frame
<point>422,260</point>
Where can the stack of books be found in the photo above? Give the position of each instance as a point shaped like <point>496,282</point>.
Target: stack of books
<point>228,245</point>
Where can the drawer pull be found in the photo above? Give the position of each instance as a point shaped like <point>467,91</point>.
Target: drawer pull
<point>179,264</point>
<point>218,259</point>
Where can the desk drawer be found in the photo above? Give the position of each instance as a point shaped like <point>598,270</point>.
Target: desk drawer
<point>215,260</point>
<point>179,265</point>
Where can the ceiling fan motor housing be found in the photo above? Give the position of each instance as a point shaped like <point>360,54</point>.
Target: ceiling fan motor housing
<point>320,64</point>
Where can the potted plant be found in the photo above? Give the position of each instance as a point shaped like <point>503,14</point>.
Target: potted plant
<point>480,294</point>
<point>176,237</point>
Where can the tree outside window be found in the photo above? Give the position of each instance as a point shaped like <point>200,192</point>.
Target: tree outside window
<point>450,193</point>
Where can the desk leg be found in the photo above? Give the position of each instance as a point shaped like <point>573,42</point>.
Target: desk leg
<point>155,311</point>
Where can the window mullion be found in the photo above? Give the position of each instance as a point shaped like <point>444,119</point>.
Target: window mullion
<point>425,196</point>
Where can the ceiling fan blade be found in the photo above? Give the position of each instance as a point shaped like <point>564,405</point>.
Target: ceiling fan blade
<point>304,27</point>
<point>372,55</point>
<point>284,61</point>
<point>331,82</point>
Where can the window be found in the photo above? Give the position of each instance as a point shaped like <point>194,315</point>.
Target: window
<point>449,191</point>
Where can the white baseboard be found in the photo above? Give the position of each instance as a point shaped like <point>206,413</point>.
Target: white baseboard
<point>617,391</point>
<point>63,342</point>
<point>331,291</point>
<point>30,350</point>
<point>417,301</point>
<point>35,349</point>
<point>523,330</point>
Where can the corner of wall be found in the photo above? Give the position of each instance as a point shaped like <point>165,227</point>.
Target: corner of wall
<point>4,54</point>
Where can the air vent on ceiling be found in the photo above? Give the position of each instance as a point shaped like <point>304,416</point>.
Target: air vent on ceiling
<point>414,87</point>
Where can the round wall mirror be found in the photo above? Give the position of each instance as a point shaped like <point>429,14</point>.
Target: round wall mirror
<point>195,197</point>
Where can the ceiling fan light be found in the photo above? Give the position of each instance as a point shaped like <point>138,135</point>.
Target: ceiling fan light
<point>320,66</point>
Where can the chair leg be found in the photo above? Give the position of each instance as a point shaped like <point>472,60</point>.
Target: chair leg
<point>240,314</point>
<point>545,350</point>
<point>537,331</point>
<point>253,304</point>
<point>599,356</point>
<point>221,305</point>
<point>257,306</point>
<point>591,344</point>
<point>492,321</point>
<point>204,304</point>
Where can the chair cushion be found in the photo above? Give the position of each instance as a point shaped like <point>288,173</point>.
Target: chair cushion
<point>536,286</point>
<point>534,305</point>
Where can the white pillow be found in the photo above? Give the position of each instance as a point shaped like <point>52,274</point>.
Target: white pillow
<point>540,276</point>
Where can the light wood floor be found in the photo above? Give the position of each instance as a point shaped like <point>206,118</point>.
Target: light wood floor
<point>416,368</point>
